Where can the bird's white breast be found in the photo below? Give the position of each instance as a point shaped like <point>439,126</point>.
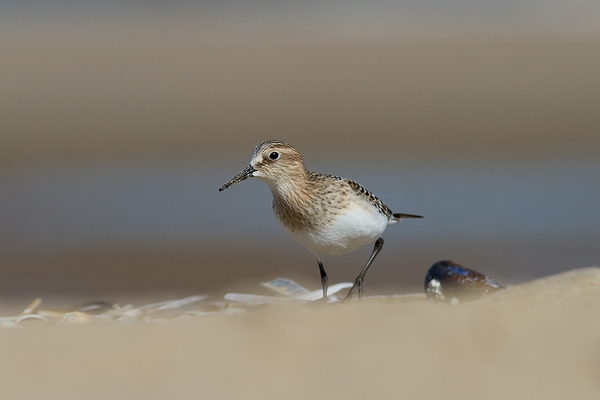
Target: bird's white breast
<point>355,226</point>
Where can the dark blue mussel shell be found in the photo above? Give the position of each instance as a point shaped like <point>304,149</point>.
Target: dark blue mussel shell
<point>447,281</point>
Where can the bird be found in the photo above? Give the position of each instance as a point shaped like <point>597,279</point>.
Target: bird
<point>327,214</point>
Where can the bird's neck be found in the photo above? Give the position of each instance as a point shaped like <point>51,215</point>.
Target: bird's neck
<point>293,201</point>
<point>293,189</point>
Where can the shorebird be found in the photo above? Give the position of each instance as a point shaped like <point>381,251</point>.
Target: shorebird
<point>328,215</point>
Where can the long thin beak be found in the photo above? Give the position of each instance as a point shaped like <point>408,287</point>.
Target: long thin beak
<point>242,176</point>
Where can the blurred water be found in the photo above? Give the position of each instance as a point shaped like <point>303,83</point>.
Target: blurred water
<point>145,204</point>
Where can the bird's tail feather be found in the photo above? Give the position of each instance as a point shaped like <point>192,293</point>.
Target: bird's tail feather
<point>399,216</point>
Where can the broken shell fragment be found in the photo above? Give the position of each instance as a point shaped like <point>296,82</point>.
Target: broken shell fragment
<point>449,282</point>
<point>76,318</point>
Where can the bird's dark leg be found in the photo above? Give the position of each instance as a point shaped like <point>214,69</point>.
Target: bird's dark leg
<point>358,283</point>
<point>324,280</point>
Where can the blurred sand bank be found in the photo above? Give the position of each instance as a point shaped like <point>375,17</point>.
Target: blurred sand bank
<point>214,269</point>
<point>484,98</point>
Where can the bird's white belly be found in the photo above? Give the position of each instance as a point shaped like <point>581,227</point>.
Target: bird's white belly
<point>356,226</point>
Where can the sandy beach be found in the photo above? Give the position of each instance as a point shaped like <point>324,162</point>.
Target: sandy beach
<point>534,340</point>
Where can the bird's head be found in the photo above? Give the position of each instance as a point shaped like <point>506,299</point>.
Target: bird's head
<point>274,162</point>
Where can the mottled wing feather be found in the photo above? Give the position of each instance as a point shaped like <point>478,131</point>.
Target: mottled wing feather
<point>369,197</point>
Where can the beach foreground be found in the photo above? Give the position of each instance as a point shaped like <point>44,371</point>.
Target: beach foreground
<point>534,340</point>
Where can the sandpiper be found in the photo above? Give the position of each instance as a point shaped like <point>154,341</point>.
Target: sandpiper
<point>329,215</point>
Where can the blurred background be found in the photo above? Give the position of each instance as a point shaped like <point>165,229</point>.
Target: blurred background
<point>120,120</point>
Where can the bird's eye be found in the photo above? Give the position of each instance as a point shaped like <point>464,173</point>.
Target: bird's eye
<point>274,155</point>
